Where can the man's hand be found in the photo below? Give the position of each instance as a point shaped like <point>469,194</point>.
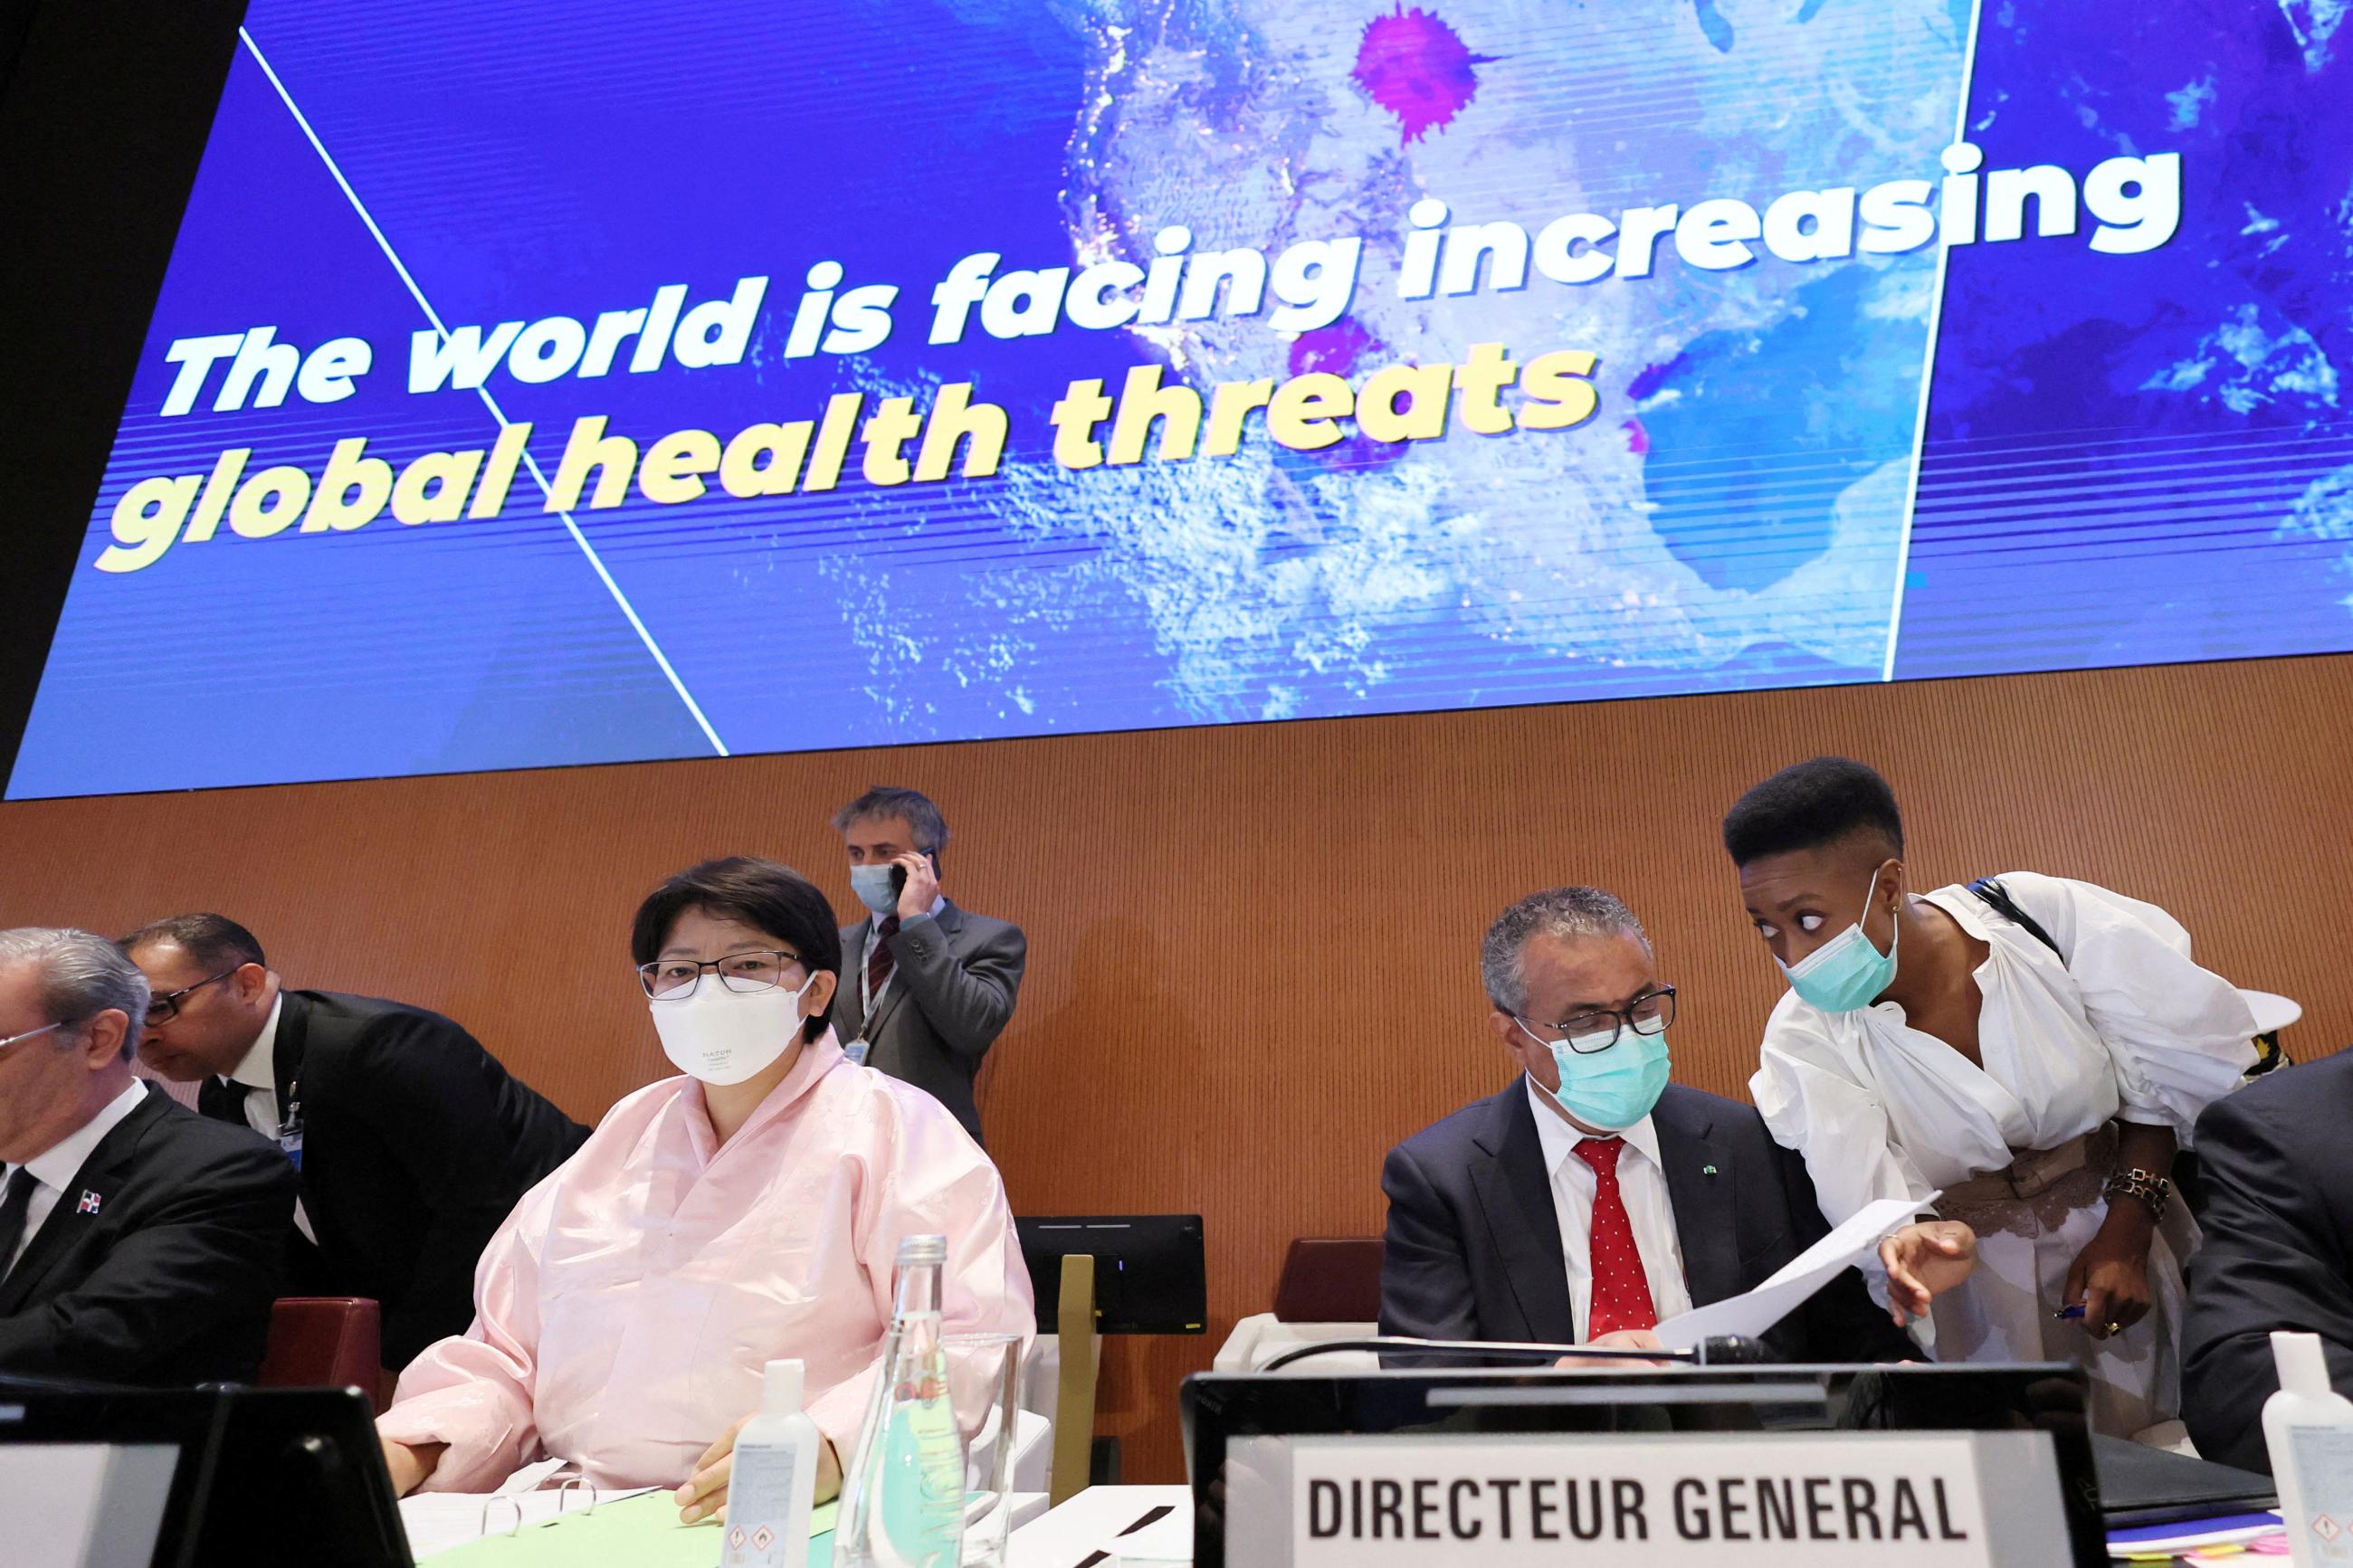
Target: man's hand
<point>923,884</point>
<point>1623,1339</point>
<point>2110,1276</point>
<point>409,1466</point>
<point>704,1495</point>
<point>1924,1261</point>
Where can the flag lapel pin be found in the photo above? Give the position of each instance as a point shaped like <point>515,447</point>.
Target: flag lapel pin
<point>89,1204</point>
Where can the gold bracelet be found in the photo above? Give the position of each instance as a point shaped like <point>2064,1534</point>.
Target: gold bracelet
<point>2146,1186</point>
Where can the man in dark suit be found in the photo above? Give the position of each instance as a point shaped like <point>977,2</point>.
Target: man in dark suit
<point>926,986</point>
<point>412,1141</point>
<point>138,1244</point>
<point>1592,1199</point>
<point>2277,1172</point>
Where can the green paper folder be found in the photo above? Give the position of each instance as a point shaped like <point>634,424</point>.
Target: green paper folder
<point>638,1533</point>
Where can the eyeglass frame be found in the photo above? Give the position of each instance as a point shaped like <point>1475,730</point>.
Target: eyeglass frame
<point>170,1000</point>
<point>645,981</point>
<point>1621,1022</point>
<point>33,1034</point>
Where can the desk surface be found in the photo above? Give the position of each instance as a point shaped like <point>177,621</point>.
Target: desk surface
<point>1097,1520</point>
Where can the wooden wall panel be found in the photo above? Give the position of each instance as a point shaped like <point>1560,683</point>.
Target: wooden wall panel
<point>1252,949</point>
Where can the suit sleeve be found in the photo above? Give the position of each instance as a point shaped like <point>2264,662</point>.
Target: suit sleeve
<point>204,1263</point>
<point>1842,1322</point>
<point>1425,1278</point>
<point>435,1097</point>
<point>2272,1260</point>
<point>967,1000</point>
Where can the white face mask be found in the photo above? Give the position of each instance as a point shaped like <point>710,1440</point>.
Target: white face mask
<point>724,1036</point>
<point>872,885</point>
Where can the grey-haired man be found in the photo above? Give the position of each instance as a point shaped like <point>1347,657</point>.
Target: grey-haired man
<point>1592,1199</point>
<point>926,986</point>
<point>138,1242</point>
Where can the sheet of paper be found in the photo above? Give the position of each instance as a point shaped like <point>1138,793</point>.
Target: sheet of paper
<point>1752,1314</point>
<point>527,1479</point>
<point>1167,1540</point>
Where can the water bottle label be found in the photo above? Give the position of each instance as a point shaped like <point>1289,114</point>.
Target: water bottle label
<point>759,1507</point>
<point>2323,1456</point>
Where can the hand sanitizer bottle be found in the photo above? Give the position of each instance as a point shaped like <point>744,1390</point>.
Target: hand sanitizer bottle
<point>2309,1429</point>
<point>902,1500</point>
<point>772,1491</point>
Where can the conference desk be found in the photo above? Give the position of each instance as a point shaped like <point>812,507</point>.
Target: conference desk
<point>1154,1522</point>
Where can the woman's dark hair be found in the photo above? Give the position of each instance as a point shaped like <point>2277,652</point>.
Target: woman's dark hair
<point>775,899</point>
<point>1810,805</point>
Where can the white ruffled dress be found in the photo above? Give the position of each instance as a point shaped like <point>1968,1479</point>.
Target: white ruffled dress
<point>2127,1028</point>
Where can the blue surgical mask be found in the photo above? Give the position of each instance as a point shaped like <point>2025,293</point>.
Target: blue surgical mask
<point>872,885</point>
<point>1846,971</point>
<point>1612,1089</point>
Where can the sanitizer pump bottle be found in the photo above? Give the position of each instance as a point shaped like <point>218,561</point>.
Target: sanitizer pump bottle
<point>772,1491</point>
<point>2309,1428</point>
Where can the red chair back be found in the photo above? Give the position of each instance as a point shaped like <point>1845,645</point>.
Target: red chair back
<point>324,1342</point>
<point>1330,1280</point>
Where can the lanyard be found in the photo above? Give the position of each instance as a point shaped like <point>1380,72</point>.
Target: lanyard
<point>867,992</point>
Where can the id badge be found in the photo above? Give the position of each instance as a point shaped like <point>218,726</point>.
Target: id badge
<point>290,1134</point>
<point>855,1051</point>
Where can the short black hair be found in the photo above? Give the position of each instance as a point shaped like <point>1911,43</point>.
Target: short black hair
<point>215,942</point>
<point>923,820</point>
<point>774,898</point>
<point>1809,805</point>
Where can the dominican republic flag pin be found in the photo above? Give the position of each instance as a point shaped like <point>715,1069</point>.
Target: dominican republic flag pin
<point>89,1204</point>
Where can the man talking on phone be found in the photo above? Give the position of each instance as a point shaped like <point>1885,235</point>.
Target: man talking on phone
<point>926,986</point>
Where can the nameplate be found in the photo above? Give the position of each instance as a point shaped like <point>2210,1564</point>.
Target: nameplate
<point>1752,1499</point>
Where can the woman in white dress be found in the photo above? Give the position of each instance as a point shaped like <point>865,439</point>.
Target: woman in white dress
<point>2033,1047</point>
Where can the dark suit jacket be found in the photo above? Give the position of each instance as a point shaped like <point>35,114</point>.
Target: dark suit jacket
<point>947,1001</point>
<point>1474,1252</point>
<point>417,1144</point>
<point>2278,1253</point>
<point>170,1281</point>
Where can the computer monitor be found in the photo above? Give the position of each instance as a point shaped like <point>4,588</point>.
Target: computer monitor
<point>1150,1273</point>
<point>205,1477</point>
<point>1492,1466</point>
<point>98,1478</point>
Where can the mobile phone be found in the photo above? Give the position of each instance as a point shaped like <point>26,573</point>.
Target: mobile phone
<point>898,880</point>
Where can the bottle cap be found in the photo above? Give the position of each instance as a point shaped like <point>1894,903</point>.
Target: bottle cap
<point>922,1249</point>
<point>2303,1365</point>
<point>780,1392</point>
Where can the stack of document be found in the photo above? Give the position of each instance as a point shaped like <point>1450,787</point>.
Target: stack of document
<point>2200,1540</point>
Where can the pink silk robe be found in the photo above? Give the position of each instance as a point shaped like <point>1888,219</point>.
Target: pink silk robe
<point>625,1310</point>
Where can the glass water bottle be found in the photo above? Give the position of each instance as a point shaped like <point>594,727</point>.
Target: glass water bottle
<point>902,1495</point>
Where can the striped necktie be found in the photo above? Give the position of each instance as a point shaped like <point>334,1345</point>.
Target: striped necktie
<point>878,956</point>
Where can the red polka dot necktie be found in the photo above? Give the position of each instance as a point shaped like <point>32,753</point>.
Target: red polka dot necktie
<point>877,954</point>
<point>1622,1291</point>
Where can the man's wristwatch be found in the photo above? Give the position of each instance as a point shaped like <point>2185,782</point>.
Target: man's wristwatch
<point>2146,1186</point>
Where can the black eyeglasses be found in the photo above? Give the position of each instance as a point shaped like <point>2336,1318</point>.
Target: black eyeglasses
<point>757,969</point>
<point>164,1008</point>
<point>1649,1014</point>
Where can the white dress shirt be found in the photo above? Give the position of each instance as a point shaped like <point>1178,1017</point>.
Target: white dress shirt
<point>55,1167</point>
<point>1641,1182</point>
<point>259,1073</point>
